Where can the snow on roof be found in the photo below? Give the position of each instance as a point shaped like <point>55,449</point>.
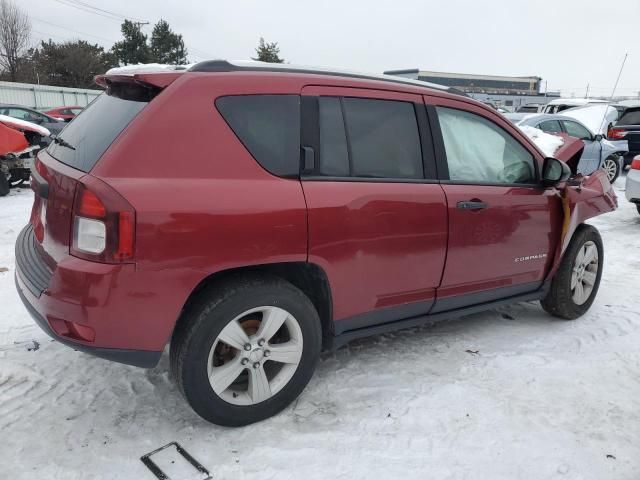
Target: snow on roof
<point>575,101</point>
<point>546,142</point>
<point>147,68</point>
<point>23,124</point>
<point>595,117</point>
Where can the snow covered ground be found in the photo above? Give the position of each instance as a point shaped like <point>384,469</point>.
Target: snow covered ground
<point>507,394</point>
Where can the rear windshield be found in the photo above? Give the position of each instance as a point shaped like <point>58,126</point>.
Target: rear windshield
<point>91,132</point>
<point>630,117</point>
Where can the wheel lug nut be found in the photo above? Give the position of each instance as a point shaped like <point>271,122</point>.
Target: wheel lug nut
<point>256,365</point>
<point>267,353</point>
<point>261,342</point>
<point>247,346</point>
<point>244,361</point>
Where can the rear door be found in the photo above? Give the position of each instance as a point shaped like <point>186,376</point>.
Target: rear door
<point>591,156</point>
<point>376,213</point>
<point>503,225</point>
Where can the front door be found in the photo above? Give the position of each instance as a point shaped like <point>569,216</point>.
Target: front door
<point>503,225</point>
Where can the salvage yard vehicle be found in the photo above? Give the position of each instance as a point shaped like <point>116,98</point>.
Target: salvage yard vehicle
<point>632,189</point>
<point>65,113</point>
<point>26,114</point>
<point>318,207</point>
<point>628,128</point>
<point>598,152</point>
<point>19,142</point>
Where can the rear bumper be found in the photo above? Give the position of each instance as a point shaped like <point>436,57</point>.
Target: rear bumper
<point>111,311</point>
<point>137,358</point>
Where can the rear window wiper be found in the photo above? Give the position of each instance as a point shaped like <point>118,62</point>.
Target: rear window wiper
<point>62,142</point>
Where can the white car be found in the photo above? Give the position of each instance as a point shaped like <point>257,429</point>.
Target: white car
<point>632,190</point>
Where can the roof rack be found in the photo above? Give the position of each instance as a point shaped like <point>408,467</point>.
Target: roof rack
<point>254,66</point>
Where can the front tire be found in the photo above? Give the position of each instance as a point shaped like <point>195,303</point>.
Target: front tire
<point>245,350</point>
<point>575,284</point>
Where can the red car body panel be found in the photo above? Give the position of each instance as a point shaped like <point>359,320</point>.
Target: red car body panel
<point>59,112</point>
<point>205,206</point>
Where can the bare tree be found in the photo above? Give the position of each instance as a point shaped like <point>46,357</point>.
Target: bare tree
<point>15,31</point>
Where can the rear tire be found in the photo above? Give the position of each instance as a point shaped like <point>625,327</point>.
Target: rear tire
<point>575,284</point>
<point>638,207</point>
<point>4,185</point>
<point>268,375</point>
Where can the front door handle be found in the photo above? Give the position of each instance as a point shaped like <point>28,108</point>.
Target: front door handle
<point>472,205</point>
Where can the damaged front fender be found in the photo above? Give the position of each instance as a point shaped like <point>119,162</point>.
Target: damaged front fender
<point>582,198</point>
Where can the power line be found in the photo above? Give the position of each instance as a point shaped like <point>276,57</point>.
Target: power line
<point>85,7</point>
<point>71,30</point>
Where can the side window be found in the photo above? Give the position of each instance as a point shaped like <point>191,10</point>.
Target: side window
<point>550,126</point>
<point>479,151</point>
<point>269,127</point>
<point>334,153</point>
<point>576,130</point>
<point>362,137</point>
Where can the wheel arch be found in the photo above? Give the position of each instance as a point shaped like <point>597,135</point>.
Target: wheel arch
<point>308,277</point>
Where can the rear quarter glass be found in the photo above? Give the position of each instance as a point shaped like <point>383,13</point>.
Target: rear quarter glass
<point>93,130</point>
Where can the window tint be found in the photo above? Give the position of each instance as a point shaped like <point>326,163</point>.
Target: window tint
<point>479,151</point>
<point>630,117</point>
<point>334,154</point>
<point>269,127</point>
<point>92,132</point>
<point>383,138</point>
<point>550,126</point>
<point>576,130</point>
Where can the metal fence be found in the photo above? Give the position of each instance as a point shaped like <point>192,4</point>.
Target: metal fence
<point>45,96</point>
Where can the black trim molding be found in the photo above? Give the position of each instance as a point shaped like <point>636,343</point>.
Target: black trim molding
<point>352,328</point>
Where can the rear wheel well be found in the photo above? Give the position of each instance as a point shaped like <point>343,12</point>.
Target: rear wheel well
<point>308,277</point>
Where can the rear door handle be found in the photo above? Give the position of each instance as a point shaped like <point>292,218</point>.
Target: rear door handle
<point>472,205</point>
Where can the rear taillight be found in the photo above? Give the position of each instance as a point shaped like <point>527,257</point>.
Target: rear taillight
<point>103,224</point>
<point>616,133</point>
<point>635,163</point>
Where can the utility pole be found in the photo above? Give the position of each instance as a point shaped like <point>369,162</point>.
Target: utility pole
<point>586,95</point>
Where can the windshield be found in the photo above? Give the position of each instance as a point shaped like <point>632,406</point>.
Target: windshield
<point>81,144</point>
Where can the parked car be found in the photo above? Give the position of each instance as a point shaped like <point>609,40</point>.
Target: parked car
<point>19,142</point>
<point>530,108</point>
<point>65,113</point>
<point>318,207</point>
<point>54,125</point>
<point>632,189</point>
<point>598,152</point>
<point>628,128</point>
<point>560,104</point>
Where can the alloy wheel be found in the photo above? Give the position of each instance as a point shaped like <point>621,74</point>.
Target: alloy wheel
<point>255,355</point>
<point>610,168</point>
<point>584,273</point>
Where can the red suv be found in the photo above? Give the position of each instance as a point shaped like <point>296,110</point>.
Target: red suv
<point>253,215</point>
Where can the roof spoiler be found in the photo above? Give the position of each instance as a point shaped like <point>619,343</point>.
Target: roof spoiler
<point>150,80</point>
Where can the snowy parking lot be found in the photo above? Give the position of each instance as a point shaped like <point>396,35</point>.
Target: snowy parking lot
<point>507,394</point>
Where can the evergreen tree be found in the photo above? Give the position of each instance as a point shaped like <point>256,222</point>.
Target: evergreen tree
<point>69,64</point>
<point>133,48</point>
<point>268,52</point>
<point>167,46</point>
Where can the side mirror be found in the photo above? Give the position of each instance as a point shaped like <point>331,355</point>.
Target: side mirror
<point>554,171</point>
<point>598,137</point>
